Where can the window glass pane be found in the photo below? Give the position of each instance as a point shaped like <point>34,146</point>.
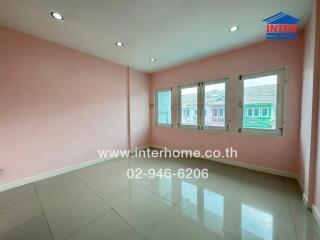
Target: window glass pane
<point>214,101</point>
<point>189,106</point>
<point>260,93</point>
<point>164,107</point>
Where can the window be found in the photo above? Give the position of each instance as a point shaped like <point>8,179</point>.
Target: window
<point>163,107</point>
<point>256,112</point>
<point>203,105</point>
<point>214,99</point>
<point>214,112</point>
<point>261,102</point>
<point>221,112</point>
<point>188,105</point>
<point>264,112</point>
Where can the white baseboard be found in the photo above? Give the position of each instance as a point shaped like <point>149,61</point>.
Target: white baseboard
<point>253,167</point>
<point>246,165</point>
<point>305,198</point>
<point>306,201</point>
<point>56,172</point>
<point>300,184</point>
<point>316,214</point>
<point>52,173</point>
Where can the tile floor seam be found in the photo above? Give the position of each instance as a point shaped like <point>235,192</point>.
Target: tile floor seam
<point>166,215</point>
<point>90,222</point>
<point>111,208</point>
<point>54,188</point>
<point>221,235</point>
<point>102,187</point>
<point>163,198</point>
<point>127,222</point>
<point>290,211</point>
<point>86,225</point>
<point>231,235</point>
<point>45,217</point>
<point>99,188</point>
<point>150,191</point>
<point>66,184</point>
<point>159,221</point>
<point>174,204</point>
<point>20,201</point>
<point>124,219</point>
<point>234,201</point>
<point>67,202</point>
<point>42,215</point>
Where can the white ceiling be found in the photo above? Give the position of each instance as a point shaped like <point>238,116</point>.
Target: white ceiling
<point>172,31</point>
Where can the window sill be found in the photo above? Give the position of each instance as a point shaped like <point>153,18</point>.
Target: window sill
<point>216,129</point>
<point>261,132</point>
<point>163,125</point>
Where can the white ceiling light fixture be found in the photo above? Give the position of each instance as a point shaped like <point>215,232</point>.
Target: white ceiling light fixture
<point>234,28</point>
<point>119,44</point>
<point>152,59</point>
<point>57,16</point>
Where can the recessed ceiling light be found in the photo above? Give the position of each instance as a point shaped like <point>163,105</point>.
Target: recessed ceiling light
<point>234,28</point>
<point>57,16</point>
<point>152,59</point>
<point>119,44</point>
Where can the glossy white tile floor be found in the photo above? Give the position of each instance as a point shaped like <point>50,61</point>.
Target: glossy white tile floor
<point>99,202</point>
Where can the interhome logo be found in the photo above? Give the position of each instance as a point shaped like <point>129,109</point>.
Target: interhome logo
<point>281,26</point>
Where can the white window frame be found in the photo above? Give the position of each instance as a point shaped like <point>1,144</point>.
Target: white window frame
<point>256,108</point>
<point>268,112</point>
<point>179,123</point>
<point>156,108</point>
<point>281,87</point>
<point>249,108</point>
<point>226,105</point>
<point>201,105</point>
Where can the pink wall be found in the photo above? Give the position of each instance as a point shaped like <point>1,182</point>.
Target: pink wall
<point>307,105</point>
<point>316,173</point>
<point>139,109</point>
<point>59,106</point>
<point>269,151</point>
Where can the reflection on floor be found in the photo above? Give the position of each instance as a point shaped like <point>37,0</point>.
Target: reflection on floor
<point>100,202</point>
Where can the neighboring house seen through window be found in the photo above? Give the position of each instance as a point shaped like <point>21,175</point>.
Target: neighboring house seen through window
<point>211,97</point>
<point>261,102</point>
